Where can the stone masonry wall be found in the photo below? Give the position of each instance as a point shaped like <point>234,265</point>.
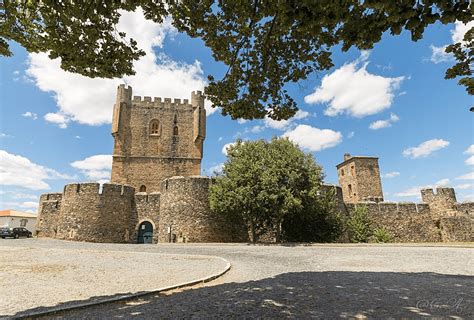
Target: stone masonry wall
<point>89,215</point>
<point>184,207</point>
<point>48,215</point>
<point>125,170</point>
<point>465,208</point>
<point>457,229</point>
<point>147,208</point>
<point>406,222</point>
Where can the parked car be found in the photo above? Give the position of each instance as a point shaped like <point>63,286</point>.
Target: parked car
<point>15,232</point>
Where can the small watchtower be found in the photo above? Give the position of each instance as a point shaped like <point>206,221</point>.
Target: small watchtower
<point>155,139</point>
<point>442,202</point>
<point>359,178</point>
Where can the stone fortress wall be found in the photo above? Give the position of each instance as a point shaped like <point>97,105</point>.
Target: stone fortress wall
<point>83,212</point>
<point>155,178</point>
<point>438,218</point>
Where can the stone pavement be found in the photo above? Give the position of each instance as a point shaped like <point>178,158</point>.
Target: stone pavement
<point>320,281</point>
<point>32,278</point>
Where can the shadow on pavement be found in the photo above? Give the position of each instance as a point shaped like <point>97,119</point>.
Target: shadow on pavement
<point>328,295</point>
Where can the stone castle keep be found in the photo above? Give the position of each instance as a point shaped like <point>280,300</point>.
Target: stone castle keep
<point>156,192</point>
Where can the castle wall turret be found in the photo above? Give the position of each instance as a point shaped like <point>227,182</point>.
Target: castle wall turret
<point>88,214</point>
<point>442,203</point>
<point>185,215</point>
<point>48,215</point>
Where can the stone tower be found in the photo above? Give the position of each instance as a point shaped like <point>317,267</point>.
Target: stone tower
<point>156,139</point>
<point>442,203</point>
<point>359,178</point>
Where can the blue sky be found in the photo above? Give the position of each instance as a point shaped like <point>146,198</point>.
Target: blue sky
<point>391,102</point>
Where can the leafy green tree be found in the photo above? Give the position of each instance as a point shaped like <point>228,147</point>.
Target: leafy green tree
<point>463,52</point>
<point>360,225</point>
<point>266,182</point>
<point>318,221</point>
<point>265,43</point>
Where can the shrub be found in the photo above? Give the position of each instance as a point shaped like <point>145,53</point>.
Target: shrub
<point>382,235</point>
<point>359,225</point>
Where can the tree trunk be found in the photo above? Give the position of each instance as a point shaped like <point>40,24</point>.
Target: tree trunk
<point>254,233</point>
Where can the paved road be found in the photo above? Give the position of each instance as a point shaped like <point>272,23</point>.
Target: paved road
<point>324,281</point>
<point>33,276</point>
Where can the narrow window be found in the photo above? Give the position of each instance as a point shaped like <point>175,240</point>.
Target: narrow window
<point>154,127</point>
<point>342,172</point>
<point>175,131</point>
<point>142,188</point>
<point>350,190</point>
<point>352,171</point>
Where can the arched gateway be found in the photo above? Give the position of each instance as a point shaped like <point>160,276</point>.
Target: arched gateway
<point>145,232</point>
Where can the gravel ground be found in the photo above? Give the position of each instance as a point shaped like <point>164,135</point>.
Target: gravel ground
<point>322,281</point>
<point>33,277</point>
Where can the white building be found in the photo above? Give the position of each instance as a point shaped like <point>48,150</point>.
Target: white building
<point>12,219</point>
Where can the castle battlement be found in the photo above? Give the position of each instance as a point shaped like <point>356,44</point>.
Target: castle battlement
<point>391,208</point>
<point>443,193</point>
<point>53,196</point>
<point>107,190</point>
<point>159,101</point>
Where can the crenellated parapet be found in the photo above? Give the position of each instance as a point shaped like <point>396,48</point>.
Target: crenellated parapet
<point>48,214</point>
<point>442,202</point>
<point>87,212</point>
<point>185,215</point>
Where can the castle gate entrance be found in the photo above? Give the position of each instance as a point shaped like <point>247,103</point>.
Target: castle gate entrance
<point>145,232</point>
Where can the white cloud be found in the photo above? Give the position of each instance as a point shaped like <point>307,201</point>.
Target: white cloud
<point>460,29</point>
<point>465,186</point>
<point>392,174</point>
<point>20,195</point>
<point>416,191</point>
<point>442,183</point>
<point>467,176</point>
<point>217,169</point>
<point>19,171</point>
<point>350,135</point>
<point>29,204</point>
<point>438,54</point>
<point>257,129</point>
<point>4,135</point>
<point>30,114</point>
<point>313,139</point>
<point>470,161</point>
<point>95,167</point>
<point>353,90</point>
<point>285,124</point>
<point>470,150</point>
<point>242,121</point>
<point>90,100</point>
<point>425,148</point>
<point>58,119</point>
<point>380,124</point>
<point>226,146</point>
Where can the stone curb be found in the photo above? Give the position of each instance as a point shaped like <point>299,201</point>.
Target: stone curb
<point>52,310</point>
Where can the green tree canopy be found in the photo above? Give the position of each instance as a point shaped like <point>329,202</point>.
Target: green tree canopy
<point>265,43</point>
<point>265,182</point>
